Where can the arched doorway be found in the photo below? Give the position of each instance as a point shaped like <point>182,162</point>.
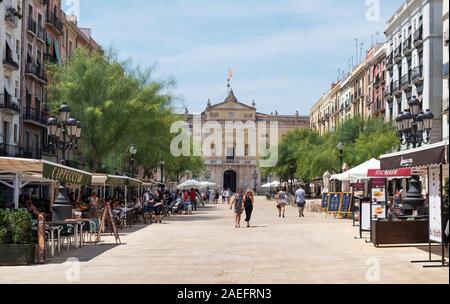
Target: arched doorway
<point>230,180</point>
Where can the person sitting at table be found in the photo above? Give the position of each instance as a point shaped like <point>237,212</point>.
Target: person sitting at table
<point>93,205</point>
<point>138,204</point>
<point>31,208</point>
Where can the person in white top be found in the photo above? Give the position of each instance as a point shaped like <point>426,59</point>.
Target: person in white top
<point>282,202</point>
<point>227,196</point>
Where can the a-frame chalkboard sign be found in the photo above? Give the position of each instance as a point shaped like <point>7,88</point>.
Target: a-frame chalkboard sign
<point>107,215</point>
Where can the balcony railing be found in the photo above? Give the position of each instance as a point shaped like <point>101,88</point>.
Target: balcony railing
<point>6,102</point>
<point>9,62</point>
<point>405,81</point>
<point>32,25</point>
<point>389,61</point>
<point>40,32</point>
<point>407,46</point>
<point>418,36</point>
<point>9,150</point>
<point>36,71</point>
<point>35,115</point>
<point>50,58</point>
<point>396,88</point>
<point>398,53</point>
<point>417,75</point>
<point>53,20</point>
<point>445,71</point>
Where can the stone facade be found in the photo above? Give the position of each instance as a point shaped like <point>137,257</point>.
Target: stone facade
<point>10,85</point>
<point>237,165</point>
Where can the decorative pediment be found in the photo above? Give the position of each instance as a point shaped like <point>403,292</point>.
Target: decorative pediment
<point>231,103</point>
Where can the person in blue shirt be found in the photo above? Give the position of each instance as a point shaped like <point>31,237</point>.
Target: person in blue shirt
<point>300,199</point>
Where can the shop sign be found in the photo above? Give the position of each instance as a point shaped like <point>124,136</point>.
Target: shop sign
<point>65,175</point>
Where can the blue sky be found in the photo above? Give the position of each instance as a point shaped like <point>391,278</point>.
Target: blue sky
<point>284,54</point>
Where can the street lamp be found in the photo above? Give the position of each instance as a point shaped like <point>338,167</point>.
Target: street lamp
<point>413,126</point>
<point>340,147</point>
<point>161,164</point>
<point>255,177</point>
<point>64,132</point>
<point>207,176</point>
<point>133,152</point>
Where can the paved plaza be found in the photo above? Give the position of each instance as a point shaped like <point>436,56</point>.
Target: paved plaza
<point>206,248</point>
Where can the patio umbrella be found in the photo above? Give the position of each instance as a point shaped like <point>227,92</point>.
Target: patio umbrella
<point>189,184</point>
<point>207,184</point>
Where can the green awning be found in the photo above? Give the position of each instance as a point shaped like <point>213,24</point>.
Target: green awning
<point>66,175</point>
<point>56,51</point>
<point>114,180</point>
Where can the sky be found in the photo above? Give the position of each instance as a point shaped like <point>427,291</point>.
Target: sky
<point>284,54</point>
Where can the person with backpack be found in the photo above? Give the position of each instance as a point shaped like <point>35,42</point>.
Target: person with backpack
<point>282,202</point>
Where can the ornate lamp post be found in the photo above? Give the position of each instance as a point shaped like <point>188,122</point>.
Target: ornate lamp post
<point>133,152</point>
<point>414,126</point>
<point>161,164</point>
<point>207,176</point>
<point>64,132</point>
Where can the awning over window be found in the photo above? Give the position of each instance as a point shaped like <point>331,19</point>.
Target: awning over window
<point>114,180</point>
<point>423,156</point>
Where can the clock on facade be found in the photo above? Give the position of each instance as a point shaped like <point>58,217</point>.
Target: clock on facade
<point>231,115</point>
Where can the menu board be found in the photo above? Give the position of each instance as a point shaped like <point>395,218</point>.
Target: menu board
<point>334,202</point>
<point>435,205</point>
<point>346,203</point>
<point>379,199</point>
<point>325,200</point>
<point>365,215</point>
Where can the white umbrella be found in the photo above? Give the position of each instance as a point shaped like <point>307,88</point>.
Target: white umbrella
<point>189,184</point>
<point>207,184</point>
<point>271,185</point>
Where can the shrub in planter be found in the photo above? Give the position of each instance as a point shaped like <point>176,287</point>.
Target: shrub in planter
<point>17,246</point>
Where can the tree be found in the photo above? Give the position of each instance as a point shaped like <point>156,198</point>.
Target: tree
<point>118,105</point>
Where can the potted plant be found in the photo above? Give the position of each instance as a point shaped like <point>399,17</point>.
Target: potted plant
<point>17,246</point>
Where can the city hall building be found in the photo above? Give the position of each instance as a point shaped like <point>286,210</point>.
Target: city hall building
<point>238,166</point>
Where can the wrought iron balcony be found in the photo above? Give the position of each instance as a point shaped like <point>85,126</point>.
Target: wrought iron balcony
<point>55,22</point>
<point>396,88</point>
<point>9,150</point>
<point>32,26</point>
<point>417,75</point>
<point>418,37</point>
<point>35,115</point>
<point>6,103</point>
<point>40,33</point>
<point>405,81</point>
<point>398,54</point>
<point>389,61</point>
<point>407,46</point>
<point>9,63</point>
<point>36,72</point>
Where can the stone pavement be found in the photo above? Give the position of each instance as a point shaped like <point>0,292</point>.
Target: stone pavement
<point>206,248</point>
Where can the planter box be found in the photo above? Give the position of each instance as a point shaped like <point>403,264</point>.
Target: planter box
<point>400,232</point>
<point>17,255</point>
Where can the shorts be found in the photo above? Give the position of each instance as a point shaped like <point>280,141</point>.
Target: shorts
<point>301,205</point>
<point>282,204</point>
<point>157,210</point>
<point>147,209</point>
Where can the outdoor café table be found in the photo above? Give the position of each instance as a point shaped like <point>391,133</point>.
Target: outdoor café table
<point>75,223</point>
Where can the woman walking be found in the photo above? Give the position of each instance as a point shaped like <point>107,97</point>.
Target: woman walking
<point>281,202</point>
<point>238,203</point>
<point>249,201</point>
<point>157,206</point>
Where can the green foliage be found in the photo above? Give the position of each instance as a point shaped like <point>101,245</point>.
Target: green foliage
<point>15,227</point>
<point>118,105</point>
<point>313,155</point>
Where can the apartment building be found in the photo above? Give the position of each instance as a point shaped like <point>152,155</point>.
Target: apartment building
<point>445,99</point>
<point>414,41</point>
<point>34,79</point>
<point>325,114</point>
<point>10,85</point>
<point>375,81</point>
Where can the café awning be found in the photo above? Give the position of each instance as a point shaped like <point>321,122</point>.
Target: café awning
<point>114,180</point>
<point>424,156</point>
<point>48,170</point>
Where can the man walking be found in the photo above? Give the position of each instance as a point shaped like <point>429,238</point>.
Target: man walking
<point>300,199</point>
<point>193,198</point>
